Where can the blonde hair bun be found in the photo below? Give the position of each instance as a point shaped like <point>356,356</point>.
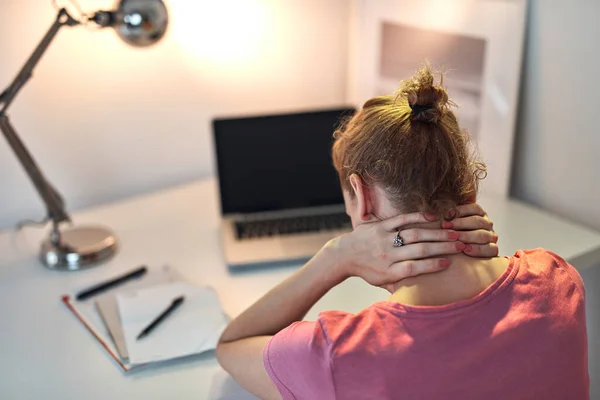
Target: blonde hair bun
<point>428,101</point>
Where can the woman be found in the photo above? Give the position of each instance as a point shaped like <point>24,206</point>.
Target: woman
<point>460,323</point>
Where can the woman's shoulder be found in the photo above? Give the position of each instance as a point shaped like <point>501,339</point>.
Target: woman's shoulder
<point>540,263</point>
<point>541,254</point>
<point>340,326</point>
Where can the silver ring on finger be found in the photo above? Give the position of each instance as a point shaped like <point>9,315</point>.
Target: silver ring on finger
<point>398,242</point>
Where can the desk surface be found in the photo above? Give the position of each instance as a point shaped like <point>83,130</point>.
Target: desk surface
<point>46,353</point>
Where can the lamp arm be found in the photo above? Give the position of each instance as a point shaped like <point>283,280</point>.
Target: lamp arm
<point>6,98</point>
<point>52,199</point>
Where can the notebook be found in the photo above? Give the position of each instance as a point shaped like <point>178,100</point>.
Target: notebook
<point>193,328</point>
<point>115,316</point>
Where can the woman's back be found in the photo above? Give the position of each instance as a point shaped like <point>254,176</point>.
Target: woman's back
<point>523,337</point>
<point>484,328</point>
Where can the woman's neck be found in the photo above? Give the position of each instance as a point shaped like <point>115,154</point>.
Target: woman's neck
<point>463,279</point>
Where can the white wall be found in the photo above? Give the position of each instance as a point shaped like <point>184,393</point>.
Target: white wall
<point>557,149</point>
<point>107,121</point>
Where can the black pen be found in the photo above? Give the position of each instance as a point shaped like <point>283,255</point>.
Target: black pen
<point>104,286</point>
<point>174,304</point>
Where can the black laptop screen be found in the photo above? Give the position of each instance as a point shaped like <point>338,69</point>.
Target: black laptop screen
<point>277,162</point>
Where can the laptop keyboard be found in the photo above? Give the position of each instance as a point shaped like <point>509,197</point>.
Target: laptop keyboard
<point>292,225</point>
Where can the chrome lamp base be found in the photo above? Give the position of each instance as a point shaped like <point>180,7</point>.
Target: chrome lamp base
<point>77,248</point>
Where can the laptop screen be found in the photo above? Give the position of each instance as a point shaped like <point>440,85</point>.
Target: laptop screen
<point>277,162</point>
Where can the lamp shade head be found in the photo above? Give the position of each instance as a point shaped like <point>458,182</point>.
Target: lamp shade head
<point>141,22</point>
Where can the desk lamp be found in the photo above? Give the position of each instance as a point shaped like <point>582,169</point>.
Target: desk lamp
<point>139,23</point>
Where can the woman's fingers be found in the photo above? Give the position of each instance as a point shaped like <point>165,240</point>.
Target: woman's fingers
<point>482,250</point>
<point>415,235</point>
<point>468,210</point>
<point>406,269</point>
<point>422,250</point>
<point>394,223</point>
<point>478,236</point>
<point>470,223</point>
<point>469,217</point>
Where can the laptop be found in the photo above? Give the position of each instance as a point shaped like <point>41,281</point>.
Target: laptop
<point>280,195</point>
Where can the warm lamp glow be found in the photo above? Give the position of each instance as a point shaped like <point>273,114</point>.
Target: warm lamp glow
<point>221,31</point>
<point>444,13</point>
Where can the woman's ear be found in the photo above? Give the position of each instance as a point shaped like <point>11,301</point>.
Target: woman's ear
<point>362,195</point>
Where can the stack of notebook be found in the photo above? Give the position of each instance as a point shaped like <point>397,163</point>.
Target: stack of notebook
<point>116,317</point>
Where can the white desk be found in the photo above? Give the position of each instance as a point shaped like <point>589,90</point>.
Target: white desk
<point>46,354</point>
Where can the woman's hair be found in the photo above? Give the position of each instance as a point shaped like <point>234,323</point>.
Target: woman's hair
<point>411,145</point>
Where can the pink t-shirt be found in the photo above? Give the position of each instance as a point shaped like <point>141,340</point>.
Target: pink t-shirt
<point>524,337</point>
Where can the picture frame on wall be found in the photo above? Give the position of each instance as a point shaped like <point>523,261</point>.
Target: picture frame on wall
<point>478,44</point>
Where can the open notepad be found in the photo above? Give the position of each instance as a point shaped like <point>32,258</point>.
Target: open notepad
<point>116,317</point>
<point>192,329</point>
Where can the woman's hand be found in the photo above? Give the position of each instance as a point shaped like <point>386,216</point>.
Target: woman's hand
<point>476,230</point>
<point>368,252</point>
